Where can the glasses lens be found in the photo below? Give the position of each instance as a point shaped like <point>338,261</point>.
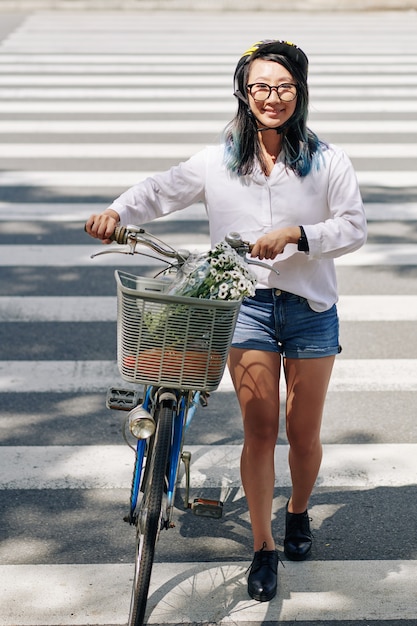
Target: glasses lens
<point>260,91</point>
<point>287,93</point>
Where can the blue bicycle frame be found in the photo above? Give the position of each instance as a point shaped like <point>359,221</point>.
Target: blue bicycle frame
<point>182,419</point>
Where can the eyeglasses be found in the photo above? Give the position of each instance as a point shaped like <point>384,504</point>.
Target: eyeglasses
<point>287,92</point>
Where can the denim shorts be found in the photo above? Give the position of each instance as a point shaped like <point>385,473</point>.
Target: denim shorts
<point>278,321</point>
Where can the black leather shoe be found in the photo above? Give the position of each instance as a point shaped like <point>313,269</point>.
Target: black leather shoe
<point>298,537</point>
<point>262,580</point>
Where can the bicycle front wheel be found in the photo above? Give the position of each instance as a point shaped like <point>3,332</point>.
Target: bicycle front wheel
<point>148,522</point>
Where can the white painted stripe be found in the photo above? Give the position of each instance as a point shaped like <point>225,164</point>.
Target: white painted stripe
<point>384,20</point>
<point>123,126</point>
<point>319,63</point>
<point>168,79</point>
<point>61,61</point>
<point>150,65</point>
<point>72,178</point>
<point>376,308</point>
<point>73,212</point>
<point>118,106</point>
<point>381,254</point>
<point>61,42</point>
<point>96,376</point>
<point>170,107</point>
<point>339,590</point>
<point>66,467</point>
<point>388,178</point>
<point>101,150</point>
<point>181,127</point>
<point>379,211</point>
<point>80,256</point>
<point>111,466</point>
<point>52,38</point>
<point>144,67</point>
<point>121,93</point>
<point>380,150</point>
<point>45,212</point>
<point>199,95</point>
<point>124,179</point>
<point>141,94</point>
<point>360,106</point>
<point>58,309</point>
<point>245,20</point>
<point>173,150</point>
<point>364,126</point>
<point>212,593</point>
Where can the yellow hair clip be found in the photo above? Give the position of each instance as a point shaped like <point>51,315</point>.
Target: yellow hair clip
<point>256,45</point>
<point>252,49</point>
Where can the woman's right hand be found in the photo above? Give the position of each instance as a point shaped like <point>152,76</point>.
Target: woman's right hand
<point>102,225</point>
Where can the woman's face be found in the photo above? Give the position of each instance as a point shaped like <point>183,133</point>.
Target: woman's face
<point>272,112</point>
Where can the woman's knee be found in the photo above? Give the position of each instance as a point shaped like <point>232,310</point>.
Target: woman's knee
<point>261,435</point>
<point>304,447</point>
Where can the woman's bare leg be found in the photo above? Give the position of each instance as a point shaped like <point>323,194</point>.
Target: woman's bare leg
<point>307,383</point>
<point>255,375</point>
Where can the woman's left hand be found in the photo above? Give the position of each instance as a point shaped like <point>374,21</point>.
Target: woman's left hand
<point>272,244</point>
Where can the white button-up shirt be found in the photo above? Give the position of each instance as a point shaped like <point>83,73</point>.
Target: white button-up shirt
<point>326,202</point>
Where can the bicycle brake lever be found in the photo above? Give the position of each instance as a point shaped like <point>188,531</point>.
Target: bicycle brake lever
<point>261,264</point>
<point>127,249</point>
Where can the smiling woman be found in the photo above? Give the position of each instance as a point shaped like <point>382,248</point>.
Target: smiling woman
<point>273,181</point>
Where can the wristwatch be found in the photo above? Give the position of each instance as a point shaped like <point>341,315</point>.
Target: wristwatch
<point>302,245</point>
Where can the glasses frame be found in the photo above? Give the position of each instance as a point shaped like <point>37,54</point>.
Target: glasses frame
<point>271,87</point>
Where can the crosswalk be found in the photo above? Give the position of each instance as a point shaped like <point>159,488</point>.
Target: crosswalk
<point>89,104</point>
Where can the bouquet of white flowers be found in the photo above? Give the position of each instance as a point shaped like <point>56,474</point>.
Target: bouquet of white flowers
<point>220,274</point>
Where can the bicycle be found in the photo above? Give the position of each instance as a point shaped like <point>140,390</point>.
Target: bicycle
<point>175,382</point>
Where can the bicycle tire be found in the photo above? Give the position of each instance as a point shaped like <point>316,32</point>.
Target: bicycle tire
<point>148,522</point>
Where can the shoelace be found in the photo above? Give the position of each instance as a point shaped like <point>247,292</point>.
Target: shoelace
<point>262,557</point>
<point>299,523</point>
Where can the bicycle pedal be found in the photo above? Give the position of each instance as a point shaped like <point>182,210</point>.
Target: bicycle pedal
<point>207,508</point>
<point>204,398</point>
<point>122,399</point>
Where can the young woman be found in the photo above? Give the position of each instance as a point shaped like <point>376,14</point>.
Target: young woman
<point>273,181</point>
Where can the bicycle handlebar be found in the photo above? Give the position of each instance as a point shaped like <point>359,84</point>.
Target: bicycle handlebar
<point>122,234</point>
<point>131,236</point>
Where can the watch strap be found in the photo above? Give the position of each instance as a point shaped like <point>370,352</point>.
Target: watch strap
<point>302,245</point>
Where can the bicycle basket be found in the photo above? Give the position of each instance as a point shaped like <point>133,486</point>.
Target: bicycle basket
<point>171,340</point>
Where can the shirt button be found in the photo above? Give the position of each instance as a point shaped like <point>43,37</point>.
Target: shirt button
<point>278,292</point>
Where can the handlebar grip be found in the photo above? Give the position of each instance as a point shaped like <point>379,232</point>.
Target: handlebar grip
<point>119,235</point>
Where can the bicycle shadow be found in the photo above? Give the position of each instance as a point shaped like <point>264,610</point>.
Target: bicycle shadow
<point>207,594</point>
<point>355,572</point>
<point>204,592</point>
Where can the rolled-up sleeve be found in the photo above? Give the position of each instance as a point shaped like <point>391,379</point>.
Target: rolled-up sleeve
<point>345,230</point>
<point>158,195</point>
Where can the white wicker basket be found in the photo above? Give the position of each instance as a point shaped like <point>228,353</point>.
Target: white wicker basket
<point>168,340</point>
